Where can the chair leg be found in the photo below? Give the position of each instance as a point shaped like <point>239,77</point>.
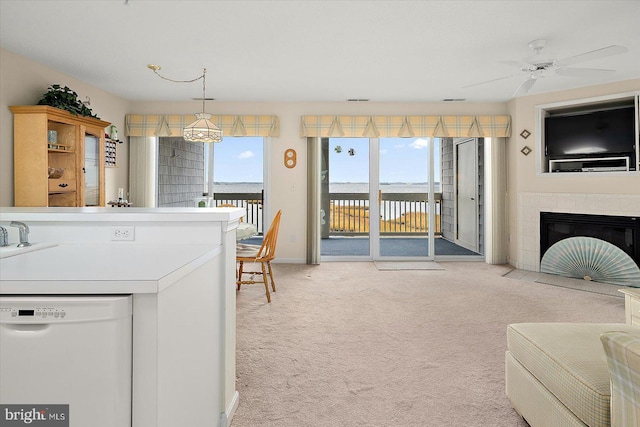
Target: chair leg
<point>273,282</point>
<point>266,281</point>
<point>239,279</point>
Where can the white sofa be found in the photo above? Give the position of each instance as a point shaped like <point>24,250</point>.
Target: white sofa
<point>557,373</point>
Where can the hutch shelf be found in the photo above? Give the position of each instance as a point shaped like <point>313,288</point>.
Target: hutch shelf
<point>59,158</point>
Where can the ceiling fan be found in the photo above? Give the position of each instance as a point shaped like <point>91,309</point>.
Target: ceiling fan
<point>542,64</point>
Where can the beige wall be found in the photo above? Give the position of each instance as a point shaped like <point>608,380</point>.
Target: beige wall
<point>288,186</point>
<point>23,82</point>
<point>522,173</point>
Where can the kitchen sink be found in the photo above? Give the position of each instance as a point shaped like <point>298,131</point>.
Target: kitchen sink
<point>13,249</point>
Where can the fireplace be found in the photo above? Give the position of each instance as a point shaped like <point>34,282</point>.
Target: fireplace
<point>620,231</point>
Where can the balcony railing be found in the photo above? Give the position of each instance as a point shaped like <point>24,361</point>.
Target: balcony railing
<point>251,202</point>
<point>400,213</point>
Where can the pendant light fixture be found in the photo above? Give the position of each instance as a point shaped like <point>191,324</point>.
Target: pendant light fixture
<point>202,130</point>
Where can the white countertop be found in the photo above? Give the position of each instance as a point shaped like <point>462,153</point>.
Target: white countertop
<point>102,268</point>
<point>102,214</point>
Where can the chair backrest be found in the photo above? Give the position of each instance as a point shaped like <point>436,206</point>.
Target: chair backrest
<point>267,251</point>
<point>623,358</point>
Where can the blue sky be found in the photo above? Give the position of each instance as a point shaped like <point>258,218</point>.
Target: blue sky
<point>401,160</point>
<point>239,159</point>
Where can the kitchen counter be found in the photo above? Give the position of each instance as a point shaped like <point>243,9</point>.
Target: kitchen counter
<point>179,266</point>
<point>101,268</point>
<point>94,214</point>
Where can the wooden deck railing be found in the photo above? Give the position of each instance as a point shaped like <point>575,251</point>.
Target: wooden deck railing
<point>400,213</point>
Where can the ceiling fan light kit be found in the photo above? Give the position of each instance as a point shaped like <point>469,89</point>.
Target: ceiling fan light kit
<point>543,64</point>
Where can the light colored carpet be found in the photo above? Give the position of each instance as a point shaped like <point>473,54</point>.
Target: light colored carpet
<point>407,265</point>
<point>344,344</point>
<point>567,282</point>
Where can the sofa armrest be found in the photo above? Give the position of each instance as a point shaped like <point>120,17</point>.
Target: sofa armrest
<point>623,359</point>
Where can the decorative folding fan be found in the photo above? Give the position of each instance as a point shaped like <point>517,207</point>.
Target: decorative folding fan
<point>591,259</point>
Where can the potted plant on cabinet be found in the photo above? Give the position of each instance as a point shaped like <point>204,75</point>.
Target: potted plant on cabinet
<point>65,99</point>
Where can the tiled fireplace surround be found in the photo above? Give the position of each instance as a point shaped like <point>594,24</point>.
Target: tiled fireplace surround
<point>531,204</point>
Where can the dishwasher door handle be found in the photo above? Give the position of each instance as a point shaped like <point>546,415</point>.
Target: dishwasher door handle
<point>25,328</point>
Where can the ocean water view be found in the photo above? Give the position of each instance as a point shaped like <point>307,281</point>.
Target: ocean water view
<point>334,187</point>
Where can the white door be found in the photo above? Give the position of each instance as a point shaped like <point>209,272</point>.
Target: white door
<point>466,175</point>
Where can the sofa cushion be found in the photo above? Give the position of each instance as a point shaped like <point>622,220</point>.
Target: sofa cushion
<point>568,359</point>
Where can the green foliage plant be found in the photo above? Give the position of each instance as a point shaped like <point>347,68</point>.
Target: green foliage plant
<point>65,99</point>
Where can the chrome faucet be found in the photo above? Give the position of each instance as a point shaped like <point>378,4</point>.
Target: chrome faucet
<point>4,237</point>
<point>24,233</point>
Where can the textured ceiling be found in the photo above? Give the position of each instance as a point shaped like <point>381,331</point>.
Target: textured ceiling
<point>387,51</point>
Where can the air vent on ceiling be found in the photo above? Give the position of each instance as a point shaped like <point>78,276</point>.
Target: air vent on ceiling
<point>206,99</point>
<point>454,99</point>
<point>357,100</point>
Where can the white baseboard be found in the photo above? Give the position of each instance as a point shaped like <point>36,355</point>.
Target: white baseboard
<point>227,417</point>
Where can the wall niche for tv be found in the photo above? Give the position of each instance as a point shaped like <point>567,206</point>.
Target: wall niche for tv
<point>593,135</point>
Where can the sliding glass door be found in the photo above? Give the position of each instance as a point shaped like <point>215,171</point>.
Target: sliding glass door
<point>399,198</point>
<point>345,198</point>
<point>407,189</point>
<point>234,175</point>
<point>377,196</point>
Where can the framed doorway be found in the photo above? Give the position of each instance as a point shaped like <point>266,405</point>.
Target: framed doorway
<point>466,193</point>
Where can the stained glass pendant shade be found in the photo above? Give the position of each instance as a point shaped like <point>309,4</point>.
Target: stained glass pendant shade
<point>202,130</point>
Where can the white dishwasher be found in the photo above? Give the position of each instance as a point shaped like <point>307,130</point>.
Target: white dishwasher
<point>71,350</point>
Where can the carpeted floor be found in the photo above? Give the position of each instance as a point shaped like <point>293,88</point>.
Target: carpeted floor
<point>407,265</point>
<point>344,344</point>
<point>567,282</point>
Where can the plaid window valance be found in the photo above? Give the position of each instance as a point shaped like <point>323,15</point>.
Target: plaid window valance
<point>405,126</point>
<point>172,124</point>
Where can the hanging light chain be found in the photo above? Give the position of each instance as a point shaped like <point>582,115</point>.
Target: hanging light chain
<point>202,130</point>
<point>155,69</point>
<point>204,73</point>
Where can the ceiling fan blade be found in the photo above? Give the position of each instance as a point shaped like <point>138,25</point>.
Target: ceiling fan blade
<point>525,86</point>
<point>517,64</point>
<point>594,54</point>
<point>583,72</point>
<point>492,80</point>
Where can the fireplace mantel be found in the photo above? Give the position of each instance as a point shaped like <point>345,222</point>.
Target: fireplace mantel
<point>531,204</point>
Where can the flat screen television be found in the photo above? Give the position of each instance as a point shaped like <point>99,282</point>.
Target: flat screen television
<point>604,133</point>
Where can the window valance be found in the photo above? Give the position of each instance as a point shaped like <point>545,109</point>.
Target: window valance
<point>172,124</point>
<point>405,126</point>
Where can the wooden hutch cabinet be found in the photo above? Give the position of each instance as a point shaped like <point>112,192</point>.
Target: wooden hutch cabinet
<point>58,157</point>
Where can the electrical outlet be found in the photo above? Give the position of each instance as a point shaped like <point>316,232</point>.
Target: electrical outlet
<point>123,232</point>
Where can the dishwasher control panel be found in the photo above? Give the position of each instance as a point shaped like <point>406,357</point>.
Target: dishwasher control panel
<point>37,312</point>
<point>59,309</point>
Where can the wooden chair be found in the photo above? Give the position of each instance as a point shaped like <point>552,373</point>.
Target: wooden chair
<point>262,254</point>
